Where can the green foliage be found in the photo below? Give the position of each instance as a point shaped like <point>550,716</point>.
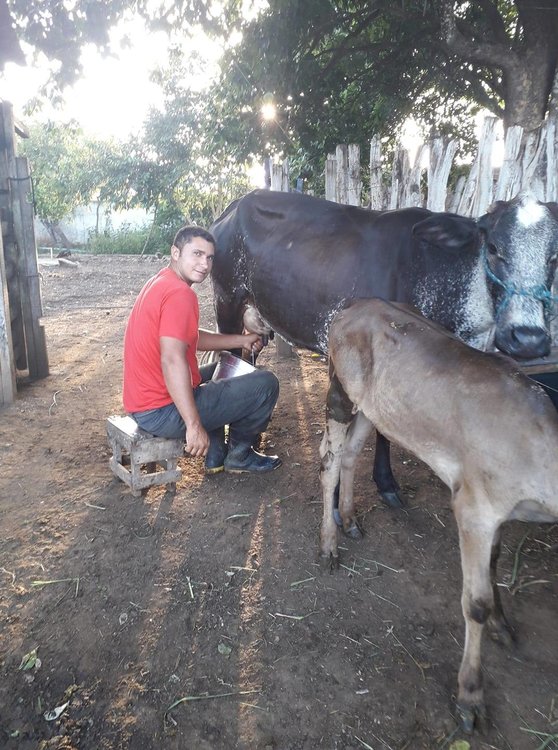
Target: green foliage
<point>342,72</point>
<point>61,163</point>
<point>127,240</point>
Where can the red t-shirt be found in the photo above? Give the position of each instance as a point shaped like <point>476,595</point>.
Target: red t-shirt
<point>166,306</point>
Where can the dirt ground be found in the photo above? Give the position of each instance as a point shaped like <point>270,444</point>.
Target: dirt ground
<point>214,597</point>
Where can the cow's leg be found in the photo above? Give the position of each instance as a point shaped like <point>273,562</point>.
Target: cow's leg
<point>356,437</point>
<point>498,626</point>
<point>477,532</point>
<point>330,453</point>
<point>383,476</point>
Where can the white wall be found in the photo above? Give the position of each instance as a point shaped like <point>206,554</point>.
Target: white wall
<point>83,222</point>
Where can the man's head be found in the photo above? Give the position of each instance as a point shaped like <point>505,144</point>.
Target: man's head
<point>192,254</point>
<point>188,233</point>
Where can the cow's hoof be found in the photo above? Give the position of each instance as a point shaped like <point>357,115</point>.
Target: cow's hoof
<point>392,499</point>
<point>469,716</point>
<point>337,517</point>
<point>354,531</point>
<point>329,563</point>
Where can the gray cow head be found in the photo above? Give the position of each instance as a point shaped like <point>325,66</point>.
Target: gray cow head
<point>519,249</point>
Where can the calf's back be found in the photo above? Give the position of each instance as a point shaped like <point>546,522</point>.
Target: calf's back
<point>469,415</point>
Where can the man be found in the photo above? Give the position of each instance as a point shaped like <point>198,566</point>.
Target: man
<point>164,389</point>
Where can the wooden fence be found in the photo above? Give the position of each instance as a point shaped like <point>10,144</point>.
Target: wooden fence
<point>22,339</point>
<point>528,163</point>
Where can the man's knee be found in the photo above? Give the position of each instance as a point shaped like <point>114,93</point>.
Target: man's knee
<point>268,383</point>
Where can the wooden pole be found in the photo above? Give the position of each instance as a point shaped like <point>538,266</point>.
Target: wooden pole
<point>7,368</point>
<point>11,253</point>
<point>509,178</point>
<point>342,177</point>
<point>442,153</point>
<point>32,305</point>
<point>376,190</point>
<point>414,192</point>
<point>354,181</point>
<point>330,177</point>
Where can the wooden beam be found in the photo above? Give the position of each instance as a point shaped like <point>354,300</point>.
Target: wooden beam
<point>28,270</point>
<point>7,367</point>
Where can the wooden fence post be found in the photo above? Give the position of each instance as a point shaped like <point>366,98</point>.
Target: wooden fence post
<point>414,196</point>
<point>330,177</point>
<point>477,194</point>
<point>457,193</point>
<point>509,178</point>
<point>376,189</point>
<point>268,161</point>
<point>442,153</point>
<point>399,177</point>
<point>7,368</point>
<point>354,186</point>
<point>534,146</point>
<point>24,230</point>
<point>279,180</point>
<point>552,158</point>
<point>342,174</point>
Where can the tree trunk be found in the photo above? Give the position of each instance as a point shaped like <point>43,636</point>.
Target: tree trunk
<point>528,80</point>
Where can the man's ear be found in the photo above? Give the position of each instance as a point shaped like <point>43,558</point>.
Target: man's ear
<point>175,252</point>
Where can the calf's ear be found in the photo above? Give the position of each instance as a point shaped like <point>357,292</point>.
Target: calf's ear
<point>449,232</point>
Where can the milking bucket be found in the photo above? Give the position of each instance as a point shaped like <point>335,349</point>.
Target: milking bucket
<point>229,366</point>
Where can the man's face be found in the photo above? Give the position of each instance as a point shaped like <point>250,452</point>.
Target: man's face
<point>195,261</point>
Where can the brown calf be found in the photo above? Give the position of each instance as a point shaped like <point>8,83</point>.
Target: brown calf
<point>488,432</point>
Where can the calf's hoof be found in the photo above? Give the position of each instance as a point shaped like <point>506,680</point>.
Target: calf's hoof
<point>329,562</point>
<point>337,517</point>
<point>501,633</point>
<point>469,716</point>
<point>354,530</point>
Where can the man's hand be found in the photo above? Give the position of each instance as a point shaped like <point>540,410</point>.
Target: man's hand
<point>252,342</point>
<point>197,440</point>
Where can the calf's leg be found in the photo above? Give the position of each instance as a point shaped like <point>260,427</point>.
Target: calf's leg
<point>498,627</point>
<point>356,437</point>
<point>477,531</point>
<point>330,453</point>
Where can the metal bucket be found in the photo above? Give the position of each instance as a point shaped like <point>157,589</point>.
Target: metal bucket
<point>229,366</point>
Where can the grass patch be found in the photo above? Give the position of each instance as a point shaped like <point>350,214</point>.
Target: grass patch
<point>127,240</point>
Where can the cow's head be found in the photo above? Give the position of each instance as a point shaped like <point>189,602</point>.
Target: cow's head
<point>519,250</point>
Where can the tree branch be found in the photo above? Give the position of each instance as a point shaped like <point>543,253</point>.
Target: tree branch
<point>487,53</point>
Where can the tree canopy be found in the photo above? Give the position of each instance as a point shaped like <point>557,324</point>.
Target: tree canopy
<point>342,71</point>
<point>335,71</point>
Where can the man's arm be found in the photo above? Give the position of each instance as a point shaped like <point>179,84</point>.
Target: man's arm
<point>178,380</point>
<point>209,341</point>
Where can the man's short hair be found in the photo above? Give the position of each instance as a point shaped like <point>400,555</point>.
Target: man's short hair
<point>187,234</point>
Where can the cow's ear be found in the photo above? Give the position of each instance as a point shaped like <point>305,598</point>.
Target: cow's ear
<point>449,232</point>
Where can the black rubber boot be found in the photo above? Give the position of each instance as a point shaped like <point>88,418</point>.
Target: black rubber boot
<point>242,458</point>
<point>215,458</point>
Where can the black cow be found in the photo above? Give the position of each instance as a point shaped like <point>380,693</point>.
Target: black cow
<point>299,259</point>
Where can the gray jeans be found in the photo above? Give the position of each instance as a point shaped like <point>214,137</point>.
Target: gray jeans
<point>244,403</point>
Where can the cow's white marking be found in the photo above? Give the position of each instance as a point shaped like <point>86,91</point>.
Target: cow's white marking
<point>530,213</point>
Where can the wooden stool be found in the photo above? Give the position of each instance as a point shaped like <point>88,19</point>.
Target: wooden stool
<point>136,448</point>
